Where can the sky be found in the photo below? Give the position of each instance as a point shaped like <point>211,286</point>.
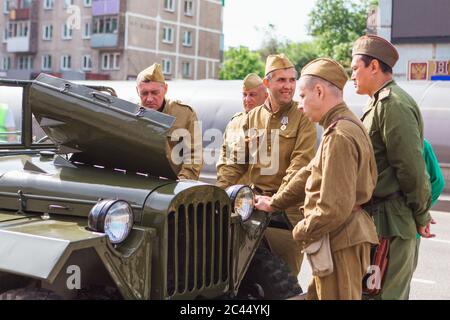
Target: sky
<point>241,18</point>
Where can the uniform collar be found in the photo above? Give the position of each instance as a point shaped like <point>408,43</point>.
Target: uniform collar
<point>165,102</point>
<point>373,100</point>
<point>386,84</point>
<point>267,106</point>
<point>332,114</point>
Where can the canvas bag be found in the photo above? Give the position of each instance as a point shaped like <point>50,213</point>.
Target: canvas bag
<point>319,256</point>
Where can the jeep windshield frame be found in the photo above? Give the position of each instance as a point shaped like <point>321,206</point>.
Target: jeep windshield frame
<point>26,144</point>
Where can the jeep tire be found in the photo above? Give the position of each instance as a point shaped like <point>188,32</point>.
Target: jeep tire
<point>268,277</point>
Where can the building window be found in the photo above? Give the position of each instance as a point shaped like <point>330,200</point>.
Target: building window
<point>87,62</point>
<point>66,32</point>
<point>189,7</point>
<point>105,25</point>
<point>23,29</point>
<point>5,35</point>
<point>67,3</point>
<point>46,62</point>
<point>47,32</point>
<point>87,3</point>
<point>25,63</point>
<point>168,35</point>
<point>187,38</point>
<point>6,63</point>
<point>87,30</point>
<point>66,62</point>
<point>18,29</point>
<point>167,66</point>
<point>169,5</point>
<point>186,69</point>
<point>48,4</point>
<point>6,6</point>
<point>110,61</point>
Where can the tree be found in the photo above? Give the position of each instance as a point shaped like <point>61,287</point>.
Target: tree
<point>336,24</point>
<point>300,53</point>
<point>239,62</point>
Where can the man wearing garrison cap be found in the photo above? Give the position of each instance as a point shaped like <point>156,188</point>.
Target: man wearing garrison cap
<point>253,94</point>
<point>152,88</point>
<point>279,141</point>
<point>339,179</point>
<point>401,198</point>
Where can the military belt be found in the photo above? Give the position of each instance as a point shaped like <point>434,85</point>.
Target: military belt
<point>392,196</point>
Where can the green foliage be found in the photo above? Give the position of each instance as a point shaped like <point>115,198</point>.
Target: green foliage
<point>300,53</point>
<point>238,62</point>
<point>336,24</point>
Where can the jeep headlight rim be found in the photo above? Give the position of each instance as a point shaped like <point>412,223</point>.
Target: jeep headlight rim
<point>242,200</point>
<point>112,217</point>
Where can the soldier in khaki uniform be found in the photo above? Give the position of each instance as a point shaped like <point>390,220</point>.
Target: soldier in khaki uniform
<point>152,88</point>
<point>339,179</point>
<point>253,95</point>
<point>401,198</point>
<point>294,139</point>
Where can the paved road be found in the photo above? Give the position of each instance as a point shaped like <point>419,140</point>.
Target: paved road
<point>432,278</point>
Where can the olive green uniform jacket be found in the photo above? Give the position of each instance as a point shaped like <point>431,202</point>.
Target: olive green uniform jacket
<point>233,137</point>
<point>341,176</point>
<point>185,118</point>
<point>395,127</point>
<point>297,139</point>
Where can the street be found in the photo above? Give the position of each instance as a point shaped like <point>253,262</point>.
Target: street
<point>431,280</point>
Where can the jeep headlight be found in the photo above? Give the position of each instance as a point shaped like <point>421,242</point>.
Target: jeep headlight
<point>113,217</point>
<point>242,199</point>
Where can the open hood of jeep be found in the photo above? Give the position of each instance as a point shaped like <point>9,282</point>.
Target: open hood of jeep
<point>100,129</point>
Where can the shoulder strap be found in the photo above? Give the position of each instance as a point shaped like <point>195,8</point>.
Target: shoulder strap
<point>335,122</point>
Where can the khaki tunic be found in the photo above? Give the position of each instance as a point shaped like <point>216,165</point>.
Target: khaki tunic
<point>296,143</point>
<point>233,136</point>
<point>296,148</point>
<point>185,118</point>
<point>341,176</point>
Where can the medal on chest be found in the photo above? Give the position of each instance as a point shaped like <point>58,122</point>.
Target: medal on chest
<point>284,122</point>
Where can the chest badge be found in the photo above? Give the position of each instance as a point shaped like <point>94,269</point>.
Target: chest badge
<point>284,122</point>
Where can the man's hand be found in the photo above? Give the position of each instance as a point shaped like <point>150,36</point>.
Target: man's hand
<point>425,231</point>
<point>263,203</point>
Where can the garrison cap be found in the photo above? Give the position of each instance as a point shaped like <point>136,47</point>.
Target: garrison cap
<point>251,81</point>
<point>376,47</point>
<point>276,62</point>
<point>328,70</point>
<point>152,73</point>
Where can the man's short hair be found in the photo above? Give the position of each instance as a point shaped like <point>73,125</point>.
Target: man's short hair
<point>368,59</point>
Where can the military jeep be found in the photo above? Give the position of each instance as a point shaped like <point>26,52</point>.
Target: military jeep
<point>90,207</point>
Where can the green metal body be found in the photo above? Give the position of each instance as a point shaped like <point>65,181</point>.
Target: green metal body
<point>186,242</point>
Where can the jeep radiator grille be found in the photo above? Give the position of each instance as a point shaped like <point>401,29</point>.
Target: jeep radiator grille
<point>197,252</point>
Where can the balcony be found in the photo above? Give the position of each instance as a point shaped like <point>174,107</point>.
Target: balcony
<point>104,40</point>
<point>18,44</point>
<point>19,14</point>
<point>105,7</point>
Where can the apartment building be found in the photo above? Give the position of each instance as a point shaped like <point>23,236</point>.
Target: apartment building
<point>110,39</point>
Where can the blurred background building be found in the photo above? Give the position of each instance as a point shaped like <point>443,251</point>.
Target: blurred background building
<point>420,30</point>
<point>110,39</point>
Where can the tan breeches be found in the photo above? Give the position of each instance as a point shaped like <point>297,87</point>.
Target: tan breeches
<point>345,283</point>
